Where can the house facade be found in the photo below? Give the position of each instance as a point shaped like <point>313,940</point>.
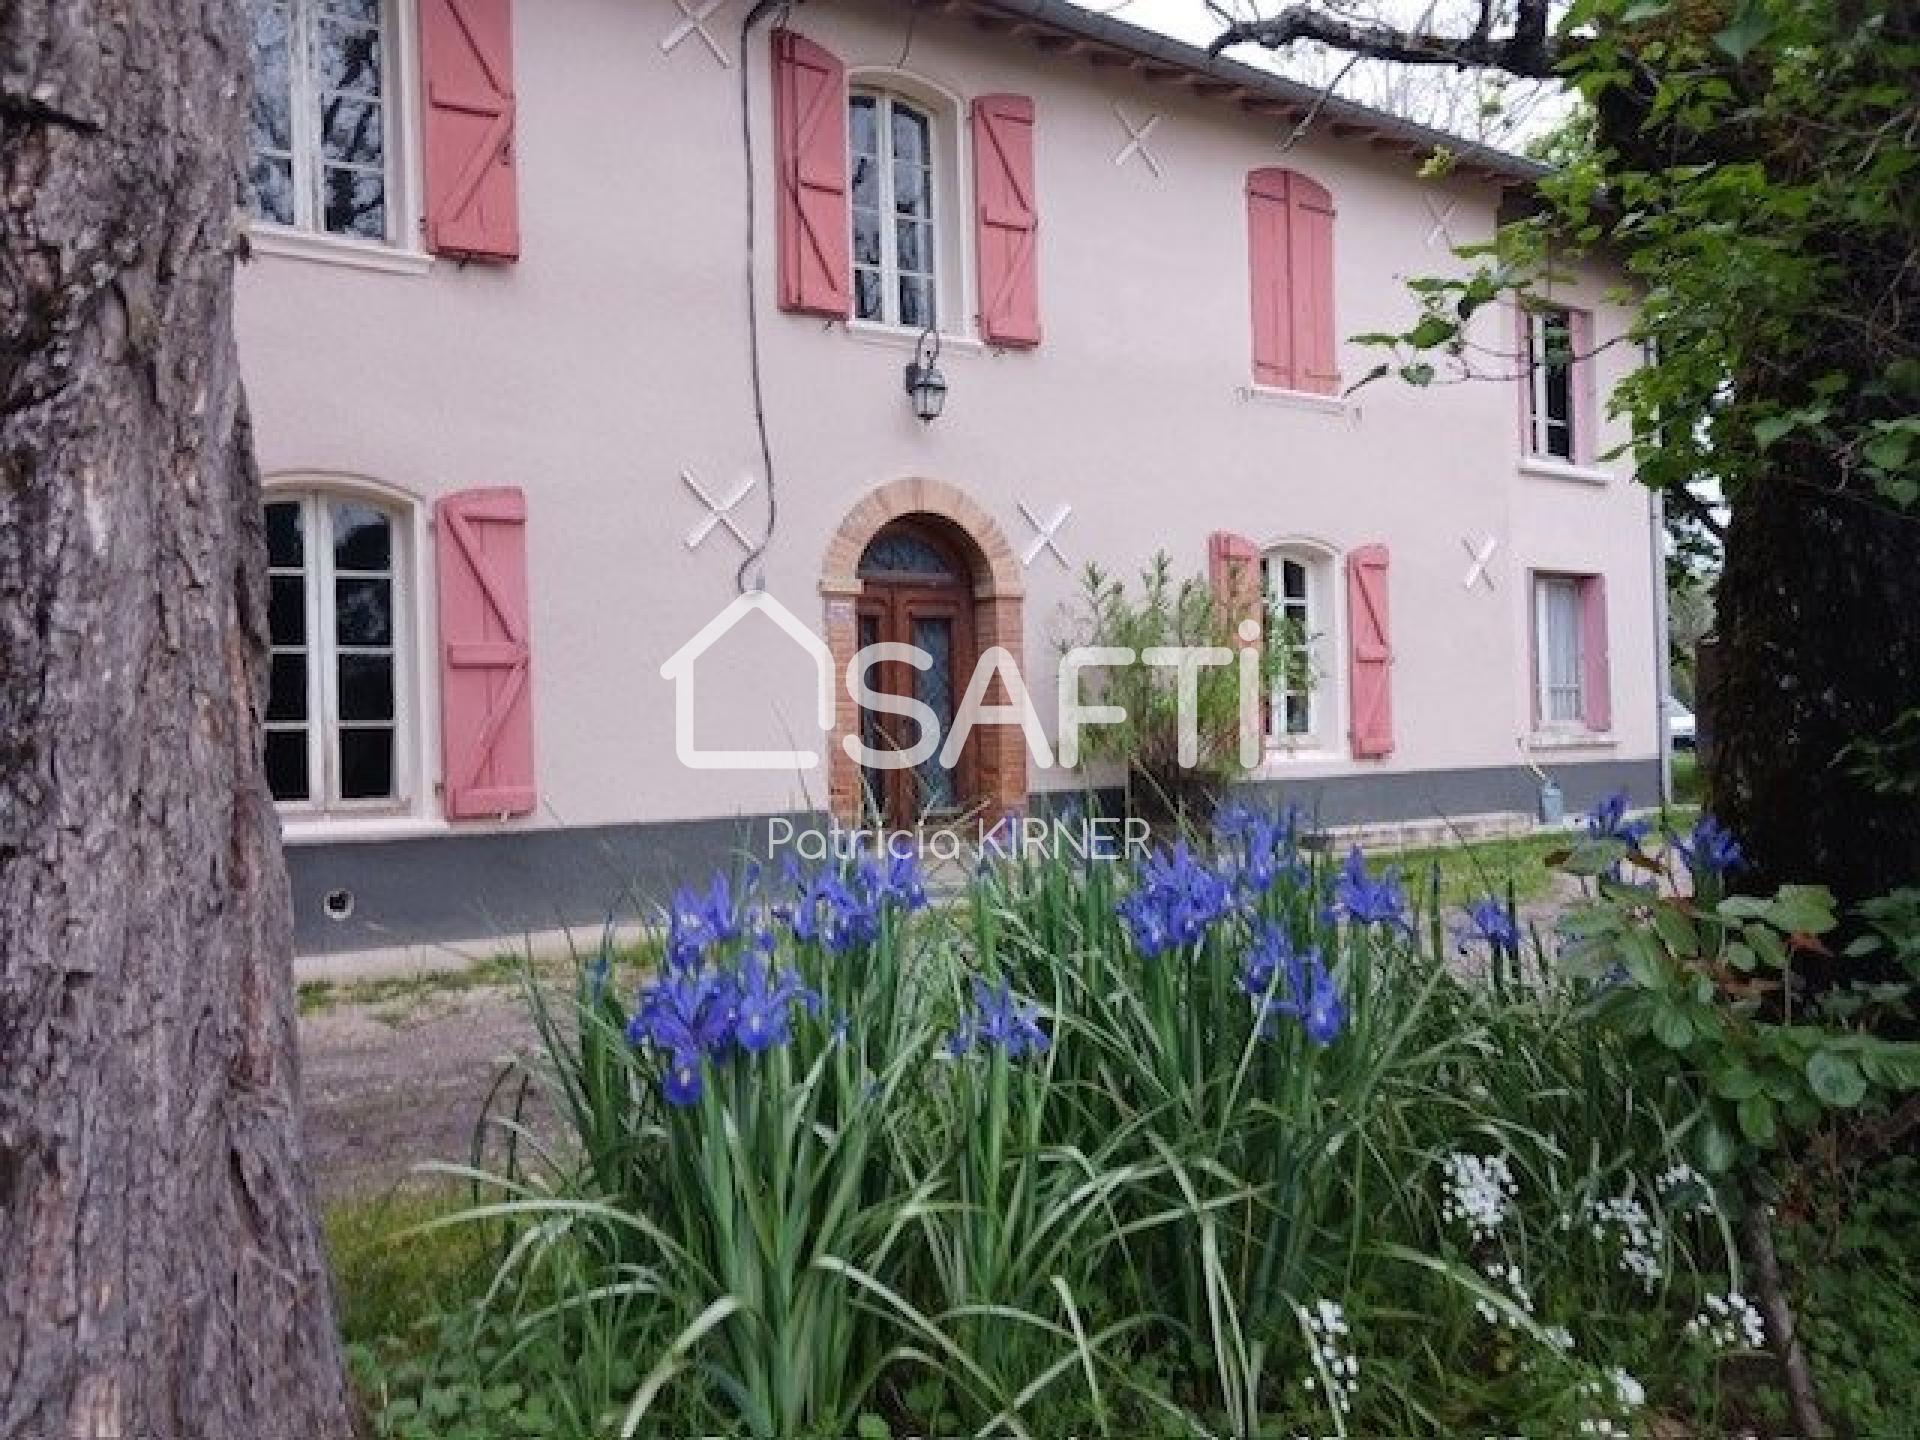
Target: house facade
<point>567,324</point>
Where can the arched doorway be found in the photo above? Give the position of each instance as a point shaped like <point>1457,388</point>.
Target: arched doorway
<point>920,553</point>
<point>915,590</point>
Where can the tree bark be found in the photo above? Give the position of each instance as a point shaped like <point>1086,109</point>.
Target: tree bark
<point>161,1272</point>
<point>1818,618</point>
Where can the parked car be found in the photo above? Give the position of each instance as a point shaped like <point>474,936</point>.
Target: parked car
<point>1680,725</point>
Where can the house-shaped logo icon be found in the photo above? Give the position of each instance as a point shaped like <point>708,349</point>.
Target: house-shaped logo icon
<point>679,668</point>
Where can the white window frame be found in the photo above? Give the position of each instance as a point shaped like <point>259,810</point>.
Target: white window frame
<point>1545,585</point>
<point>1322,647</point>
<point>948,141</point>
<point>402,249</point>
<point>1540,423</point>
<point>411,761</point>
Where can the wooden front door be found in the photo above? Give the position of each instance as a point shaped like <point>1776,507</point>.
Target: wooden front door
<point>915,591</point>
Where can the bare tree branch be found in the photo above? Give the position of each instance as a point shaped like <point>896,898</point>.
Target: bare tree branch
<point>1697,510</point>
<point>1530,51</point>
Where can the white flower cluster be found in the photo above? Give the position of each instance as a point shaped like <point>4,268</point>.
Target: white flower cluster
<point>1479,1191</point>
<point>1619,1394</point>
<point>1685,1190</point>
<point>1728,1322</point>
<point>1637,1236</point>
<point>1327,1330</point>
<point>1508,1278</point>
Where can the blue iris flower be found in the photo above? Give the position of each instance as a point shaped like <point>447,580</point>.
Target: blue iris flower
<point>999,1020</point>
<point>683,1081</point>
<point>844,911</point>
<point>1489,922</point>
<point>904,883</point>
<point>763,1004</point>
<point>1709,850</point>
<point>698,921</point>
<point>1174,899</point>
<point>1326,1012</point>
<point>688,1016</point>
<point>1231,820</point>
<point>1286,983</point>
<point>1608,821</point>
<point>1365,901</point>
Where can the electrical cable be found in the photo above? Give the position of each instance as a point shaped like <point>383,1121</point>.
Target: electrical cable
<point>753,556</point>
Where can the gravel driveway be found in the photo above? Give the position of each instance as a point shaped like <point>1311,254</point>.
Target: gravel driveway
<point>389,1085</point>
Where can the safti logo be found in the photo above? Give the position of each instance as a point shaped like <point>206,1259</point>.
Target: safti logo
<point>1185,661</point>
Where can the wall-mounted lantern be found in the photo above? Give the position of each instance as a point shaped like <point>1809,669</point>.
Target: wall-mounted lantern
<point>926,386</point>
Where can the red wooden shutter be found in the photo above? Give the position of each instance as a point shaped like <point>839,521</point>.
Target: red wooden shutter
<point>810,158</point>
<point>1370,652</point>
<point>1268,248</point>
<point>486,696</point>
<point>1316,362</point>
<point>1586,421</point>
<point>1009,222</point>
<point>1233,570</point>
<point>1290,260</point>
<point>466,61</point>
<point>1596,688</point>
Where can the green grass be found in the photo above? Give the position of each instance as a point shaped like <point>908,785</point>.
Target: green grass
<point>1474,869</point>
<point>388,1282</point>
<point>1688,786</point>
<point>400,994</point>
<point>318,996</point>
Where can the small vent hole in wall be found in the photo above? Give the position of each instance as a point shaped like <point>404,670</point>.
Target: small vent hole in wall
<point>338,904</point>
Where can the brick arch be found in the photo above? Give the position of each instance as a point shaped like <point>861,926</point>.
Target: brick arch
<point>1000,753</point>
<point>996,570</point>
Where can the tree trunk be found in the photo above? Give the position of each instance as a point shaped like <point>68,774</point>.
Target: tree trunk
<point>160,1264</point>
<point>1819,627</point>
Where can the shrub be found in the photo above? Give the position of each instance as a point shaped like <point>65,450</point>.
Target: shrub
<point>1185,614</point>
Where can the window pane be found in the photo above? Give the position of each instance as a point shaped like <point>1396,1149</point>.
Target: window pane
<point>284,545</point>
<point>366,688</point>
<point>363,612</point>
<point>934,688</point>
<point>287,764</point>
<point>362,537</point>
<point>910,190</point>
<point>1556,382</point>
<point>1296,718</point>
<point>356,203</point>
<point>366,11</point>
<point>271,119</point>
<point>287,692</point>
<point>866,182</point>
<point>866,294</point>
<point>270,185</point>
<point>347,58</point>
<point>1293,580</point>
<point>901,552</point>
<point>352,131</point>
<point>366,763</point>
<point>908,246</point>
<point>287,610</point>
<point>1562,647</point>
<point>862,133</point>
<point>909,133</point>
<point>916,301</point>
<point>866,237</point>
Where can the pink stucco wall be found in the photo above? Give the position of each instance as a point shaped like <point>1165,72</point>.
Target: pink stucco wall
<point>614,354</point>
